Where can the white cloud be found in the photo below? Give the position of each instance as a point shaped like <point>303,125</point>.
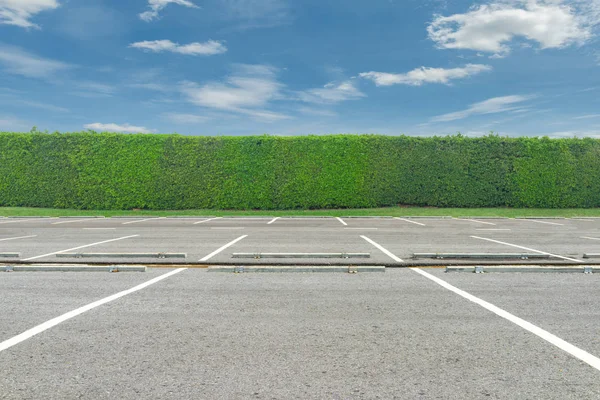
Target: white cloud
<point>126,128</point>
<point>20,62</point>
<point>97,89</point>
<point>9,123</point>
<point>589,116</point>
<point>248,91</point>
<point>43,106</point>
<point>317,111</point>
<point>332,93</point>
<point>18,12</point>
<point>422,75</point>
<point>157,5</point>
<point>491,27</point>
<point>208,48</point>
<point>257,13</point>
<point>157,87</point>
<point>179,118</point>
<point>491,106</point>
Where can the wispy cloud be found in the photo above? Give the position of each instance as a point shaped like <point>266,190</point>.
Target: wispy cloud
<point>19,62</point>
<point>19,12</point>
<point>157,5</point>
<point>184,119</point>
<point>419,76</point>
<point>257,13</point>
<point>9,123</point>
<point>491,27</point>
<point>247,91</point>
<point>125,128</point>
<point>589,116</point>
<point>317,111</point>
<point>331,93</point>
<point>43,106</point>
<point>94,89</point>
<point>157,87</point>
<point>491,106</point>
<point>208,48</point>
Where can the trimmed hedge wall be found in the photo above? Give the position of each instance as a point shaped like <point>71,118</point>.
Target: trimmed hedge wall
<point>121,171</point>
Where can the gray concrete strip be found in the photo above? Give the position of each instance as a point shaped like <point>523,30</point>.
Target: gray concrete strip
<point>121,255</point>
<point>294,268</point>
<point>10,255</point>
<point>301,255</point>
<point>74,268</point>
<point>524,268</point>
<point>591,255</point>
<point>481,255</point>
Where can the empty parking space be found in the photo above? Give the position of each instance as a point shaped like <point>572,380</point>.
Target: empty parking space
<point>403,236</point>
<point>392,335</point>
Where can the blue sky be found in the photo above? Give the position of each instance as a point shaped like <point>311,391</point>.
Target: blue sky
<point>282,67</point>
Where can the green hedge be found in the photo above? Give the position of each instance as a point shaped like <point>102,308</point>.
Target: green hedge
<point>120,171</point>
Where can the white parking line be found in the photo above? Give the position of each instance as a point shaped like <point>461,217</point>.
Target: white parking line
<point>206,220</point>
<point>273,220</point>
<point>74,220</point>
<point>590,238</point>
<point>71,314</point>
<point>540,222</point>
<point>141,220</point>
<point>341,220</point>
<point>576,352</point>
<point>526,248</point>
<point>220,249</point>
<point>77,248</point>
<point>361,229</point>
<point>408,220</point>
<point>26,220</point>
<point>19,237</point>
<point>474,220</point>
<point>387,252</point>
<point>492,229</point>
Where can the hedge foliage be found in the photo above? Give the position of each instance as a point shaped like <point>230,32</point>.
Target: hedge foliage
<point>91,170</point>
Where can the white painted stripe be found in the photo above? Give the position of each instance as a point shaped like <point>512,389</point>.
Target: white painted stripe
<point>387,252</point>
<point>492,229</point>
<point>341,220</point>
<point>26,220</point>
<point>590,238</point>
<point>526,248</point>
<point>540,222</point>
<point>206,220</point>
<point>74,220</point>
<point>71,314</point>
<point>227,227</point>
<point>528,326</point>
<point>474,220</point>
<point>273,220</point>
<point>372,229</point>
<point>77,248</point>
<point>97,229</point>
<point>408,220</point>
<point>220,249</point>
<point>141,220</point>
<point>19,237</point>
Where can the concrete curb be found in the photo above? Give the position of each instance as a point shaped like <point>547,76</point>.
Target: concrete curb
<point>497,256</point>
<point>121,255</point>
<point>73,268</point>
<point>524,268</point>
<point>294,268</point>
<point>300,255</point>
<point>10,255</point>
